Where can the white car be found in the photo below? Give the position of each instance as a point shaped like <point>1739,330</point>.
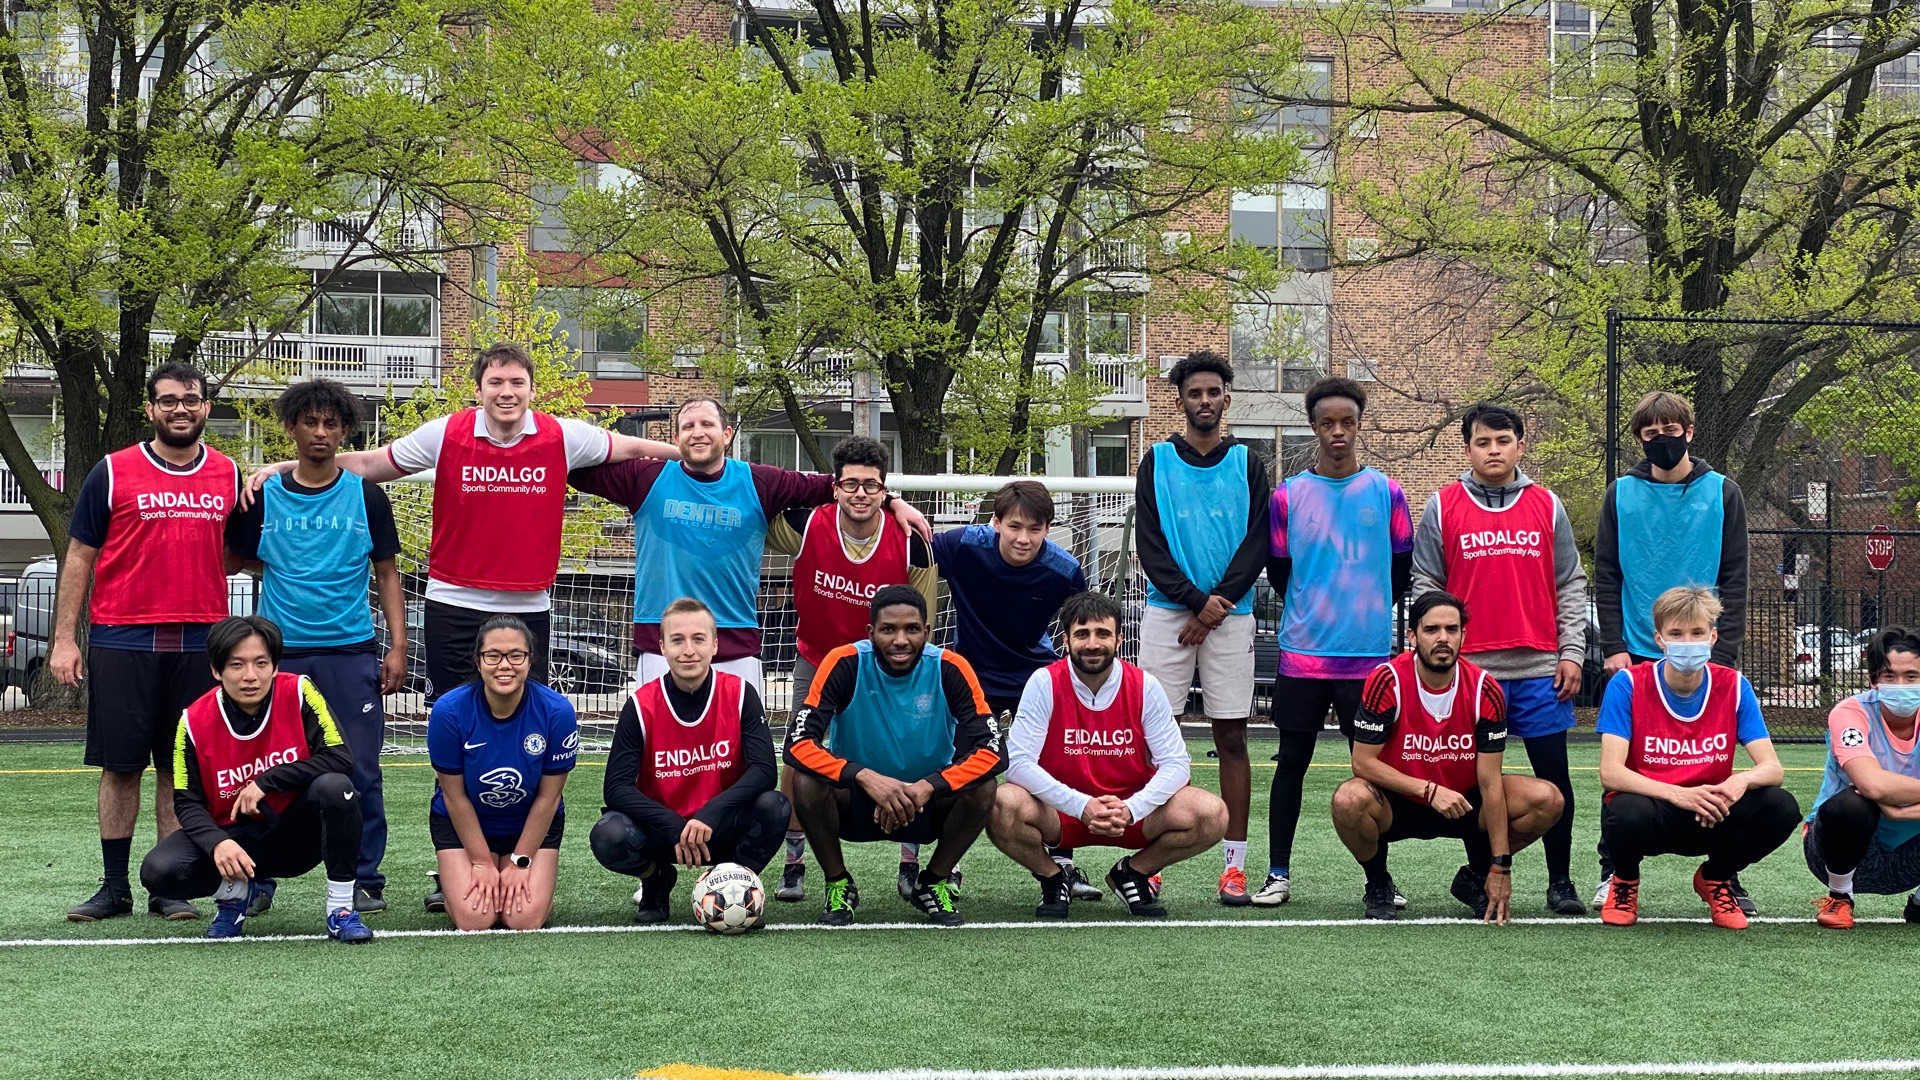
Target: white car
<point>1844,653</point>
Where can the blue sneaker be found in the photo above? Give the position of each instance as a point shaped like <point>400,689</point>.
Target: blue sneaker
<point>230,920</point>
<point>345,925</point>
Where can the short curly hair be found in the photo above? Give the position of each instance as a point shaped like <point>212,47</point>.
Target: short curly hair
<point>1196,362</point>
<point>321,397</point>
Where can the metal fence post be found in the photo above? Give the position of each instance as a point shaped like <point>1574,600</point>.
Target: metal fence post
<point>1613,393</point>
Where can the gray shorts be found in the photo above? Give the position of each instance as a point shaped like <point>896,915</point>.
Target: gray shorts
<point>1882,870</point>
<point>1224,661</point>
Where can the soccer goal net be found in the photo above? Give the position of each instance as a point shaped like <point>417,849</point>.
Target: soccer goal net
<point>590,649</point>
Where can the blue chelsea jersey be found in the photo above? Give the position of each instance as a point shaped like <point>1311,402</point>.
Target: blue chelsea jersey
<point>501,760</point>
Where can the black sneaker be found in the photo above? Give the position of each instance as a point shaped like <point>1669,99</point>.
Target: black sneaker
<point>1564,899</point>
<point>1912,911</point>
<point>1379,902</point>
<point>260,898</point>
<point>953,882</point>
<point>368,899</point>
<point>793,883</point>
<point>1056,897</point>
<point>171,910</point>
<point>109,902</point>
<point>1135,890</point>
<point>1399,898</point>
<point>437,899</point>
<point>843,899</point>
<point>1078,887</point>
<point>1740,897</point>
<point>1470,889</point>
<point>908,880</point>
<point>936,899</point>
<point>655,893</point>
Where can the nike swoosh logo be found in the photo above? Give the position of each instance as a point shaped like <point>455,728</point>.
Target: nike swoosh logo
<point>368,707</point>
<point>347,797</point>
<point>475,745</point>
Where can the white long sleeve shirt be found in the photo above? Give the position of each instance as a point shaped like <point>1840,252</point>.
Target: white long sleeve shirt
<point>1166,747</point>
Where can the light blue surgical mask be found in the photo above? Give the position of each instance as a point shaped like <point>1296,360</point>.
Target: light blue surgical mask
<point>1688,656</point>
<point>1900,699</point>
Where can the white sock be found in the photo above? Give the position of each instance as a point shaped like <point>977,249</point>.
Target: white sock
<point>339,895</point>
<point>1840,883</point>
<point>1236,854</point>
<point>910,853</point>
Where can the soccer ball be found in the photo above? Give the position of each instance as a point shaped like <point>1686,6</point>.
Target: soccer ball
<point>729,899</point>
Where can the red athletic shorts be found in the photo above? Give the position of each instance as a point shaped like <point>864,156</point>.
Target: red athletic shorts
<point>1075,834</point>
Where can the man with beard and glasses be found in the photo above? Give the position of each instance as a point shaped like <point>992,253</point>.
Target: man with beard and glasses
<point>1095,757</point>
<point>1341,556</point>
<point>1671,521</point>
<point>1200,516</point>
<point>700,530</point>
<point>146,534</point>
<point>1427,744</point>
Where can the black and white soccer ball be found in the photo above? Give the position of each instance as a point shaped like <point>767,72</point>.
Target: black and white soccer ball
<point>729,899</point>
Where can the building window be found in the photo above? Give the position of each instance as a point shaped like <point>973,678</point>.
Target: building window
<point>1110,333</point>
<point>1258,440</point>
<point>606,325</point>
<point>1259,110</point>
<point>382,304</point>
<point>1110,456</point>
<point>1282,347</point>
<point>1053,334</point>
<point>1290,223</point>
<point>550,229</point>
<point>780,448</point>
<point>1298,450</point>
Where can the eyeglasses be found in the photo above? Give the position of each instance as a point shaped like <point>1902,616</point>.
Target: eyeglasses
<point>516,658</point>
<point>169,403</point>
<point>871,487</point>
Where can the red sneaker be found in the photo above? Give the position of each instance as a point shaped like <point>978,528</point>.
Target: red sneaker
<point>1622,905</point>
<point>1722,904</point>
<point>1836,912</point>
<point>1233,888</point>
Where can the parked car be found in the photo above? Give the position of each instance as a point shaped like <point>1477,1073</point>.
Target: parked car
<point>33,617</point>
<point>1844,653</point>
<point>9,589</point>
<point>578,661</point>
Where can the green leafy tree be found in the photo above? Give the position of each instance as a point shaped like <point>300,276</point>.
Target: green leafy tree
<point>158,161</point>
<point>1743,160</point>
<point>907,190</point>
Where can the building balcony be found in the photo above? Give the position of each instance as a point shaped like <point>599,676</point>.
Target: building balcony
<point>13,499</point>
<point>366,364</point>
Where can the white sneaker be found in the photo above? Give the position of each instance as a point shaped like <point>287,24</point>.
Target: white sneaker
<point>1278,890</point>
<point>1600,892</point>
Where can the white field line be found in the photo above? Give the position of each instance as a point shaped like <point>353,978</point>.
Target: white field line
<point>802,928</point>
<point>1393,1072</point>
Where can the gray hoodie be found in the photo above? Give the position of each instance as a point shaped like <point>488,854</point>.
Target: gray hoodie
<point>1430,572</point>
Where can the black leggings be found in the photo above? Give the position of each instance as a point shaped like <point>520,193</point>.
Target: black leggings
<point>322,825</point>
<point>1635,826</point>
<point>1283,805</point>
<point>1847,823</point>
<point>1548,756</point>
<point>749,837</point>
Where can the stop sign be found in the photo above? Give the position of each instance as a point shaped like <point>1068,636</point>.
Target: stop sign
<point>1880,548</point>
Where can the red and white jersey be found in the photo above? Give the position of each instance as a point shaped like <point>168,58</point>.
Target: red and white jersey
<point>228,762</point>
<point>1101,752</point>
<point>1686,751</point>
<point>497,509</point>
<point>686,765</point>
<point>832,592</point>
<point>164,560</point>
<point>1434,737</point>
<point>1501,563</point>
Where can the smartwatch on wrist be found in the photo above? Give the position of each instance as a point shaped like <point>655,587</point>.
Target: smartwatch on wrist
<point>524,861</point>
<point>1503,862</point>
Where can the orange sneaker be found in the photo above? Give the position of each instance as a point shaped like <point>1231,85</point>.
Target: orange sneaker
<point>1622,905</point>
<point>1233,888</point>
<point>1722,905</point>
<point>1836,912</point>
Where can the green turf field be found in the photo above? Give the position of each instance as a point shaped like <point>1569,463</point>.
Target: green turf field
<point>1255,990</point>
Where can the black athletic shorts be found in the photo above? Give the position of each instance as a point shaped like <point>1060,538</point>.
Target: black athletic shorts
<point>440,827</point>
<point>134,702</point>
<point>1302,704</point>
<point>1413,820</point>
<point>857,824</point>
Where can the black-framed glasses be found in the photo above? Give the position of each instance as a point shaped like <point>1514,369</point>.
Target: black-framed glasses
<point>516,658</point>
<point>851,486</point>
<point>171,402</point>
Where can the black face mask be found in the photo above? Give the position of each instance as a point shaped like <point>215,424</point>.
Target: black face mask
<point>1665,451</point>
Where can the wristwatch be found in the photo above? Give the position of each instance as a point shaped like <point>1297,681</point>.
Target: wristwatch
<point>523,861</point>
<point>1504,862</point>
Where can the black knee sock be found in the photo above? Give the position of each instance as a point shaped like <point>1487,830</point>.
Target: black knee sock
<point>1548,754</point>
<point>113,858</point>
<point>1376,867</point>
